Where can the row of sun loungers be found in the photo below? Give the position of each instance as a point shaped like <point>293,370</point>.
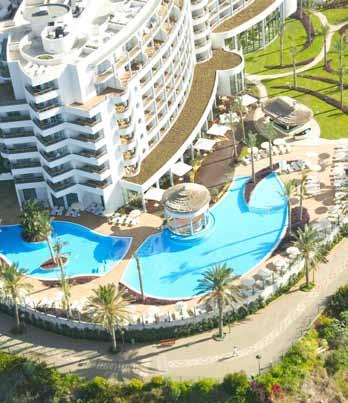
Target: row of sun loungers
<point>129,220</point>
<point>61,211</point>
<point>276,150</point>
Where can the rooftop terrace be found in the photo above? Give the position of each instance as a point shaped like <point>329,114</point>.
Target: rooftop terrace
<point>200,94</point>
<point>249,12</point>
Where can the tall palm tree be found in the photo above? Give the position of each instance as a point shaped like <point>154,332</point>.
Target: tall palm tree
<point>59,258</point>
<point>301,192</point>
<point>239,108</point>
<point>14,284</point>
<point>233,123</point>
<point>294,52</point>
<point>307,241</point>
<point>325,30</point>
<point>341,48</point>
<point>289,190</point>
<point>140,276</point>
<point>270,134</point>
<point>218,283</point>
<point>250,142</point>
<point>109,308</point>
<point>309,5</point>
<point>281,42</point>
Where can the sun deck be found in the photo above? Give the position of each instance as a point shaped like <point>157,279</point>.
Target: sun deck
<point>248,13</point>
<point>200,94</point>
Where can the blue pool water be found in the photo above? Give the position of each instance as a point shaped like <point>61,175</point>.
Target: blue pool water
<point>89,253</point>
<point>242,236</point>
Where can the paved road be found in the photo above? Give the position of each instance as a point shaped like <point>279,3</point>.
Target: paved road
<point>269,332</point>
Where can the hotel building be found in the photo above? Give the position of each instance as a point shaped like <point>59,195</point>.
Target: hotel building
<point>100,99</point>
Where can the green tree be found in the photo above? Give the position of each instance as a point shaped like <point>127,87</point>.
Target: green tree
<point>309,5</point>
<point>140,276</point>
<point>218,283</point>
<point>307,241</point>
<point>108,307</point>
<point>59,259</point>
<point>250,142</point>
<point>269,134</point>
<point>14,285</point>
<point>289,190</point>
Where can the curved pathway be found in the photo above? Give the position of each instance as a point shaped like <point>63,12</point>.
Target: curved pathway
<point>269,332</point>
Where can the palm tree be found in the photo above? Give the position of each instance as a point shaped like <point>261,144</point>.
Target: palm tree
<point>301,192</point>
<point>14,285</point>
<point>307,241</point>
<point>217,282</point>
<point>140,276</point>
<point>294,52</point>
<point>250,142</point>
<point>233,123</point>
<point>301,8</point>
<point>281,42</point>
<point>289,189</point>
<point>59,259</point>
<point>325,30</point>
<point>108,307</point>
<point>341,47</point>
<point>270,135</point>
<point>239,108</point>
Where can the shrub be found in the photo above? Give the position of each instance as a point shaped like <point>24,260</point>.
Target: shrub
<point>338,302</point>
<point>337,360</point>
<point>236,386</point>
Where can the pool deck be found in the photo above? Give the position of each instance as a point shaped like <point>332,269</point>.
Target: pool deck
<point>149,223</point>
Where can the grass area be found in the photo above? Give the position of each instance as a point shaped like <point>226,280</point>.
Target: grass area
<point>336,15</point>
<point>332,121</point>
<point>256,62</point>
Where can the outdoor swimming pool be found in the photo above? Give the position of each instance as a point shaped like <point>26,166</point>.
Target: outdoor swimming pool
<point>242,236</point>
<point>89,253</point>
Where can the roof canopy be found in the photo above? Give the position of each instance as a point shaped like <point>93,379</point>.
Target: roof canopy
<point>218,130</point>
<point>154,194</point>
<point>287,111</point>
<point>186,198</point>
<point>248,100</point>
<point>204,144</point>
<point>181,169</point>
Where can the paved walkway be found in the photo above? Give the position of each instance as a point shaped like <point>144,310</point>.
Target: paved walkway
<point>269,332</point>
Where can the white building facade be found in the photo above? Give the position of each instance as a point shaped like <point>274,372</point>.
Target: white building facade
<point>91,90</point>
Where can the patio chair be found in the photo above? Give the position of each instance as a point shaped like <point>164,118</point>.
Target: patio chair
<point>60,210</point>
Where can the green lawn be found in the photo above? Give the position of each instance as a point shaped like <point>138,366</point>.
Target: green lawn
<point>333,122</point>
<point>256,62</point>
<point>336,15</point>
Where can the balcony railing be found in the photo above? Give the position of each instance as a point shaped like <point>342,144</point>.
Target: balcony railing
<point>25,164</point>
<point>86,122</point>
<point>40,91</point>
<point>89,138</point>
<point>44,108</point>
<point>96,184</point>
<point>54,155</point>
<point>19,150</point>
<point>17,134</point>
<point>53,172</point>
<point>48,141</point>
<point>14,118</point>
<point>91,153</point>
<point>43,125</point>
<point>93,169</point>
<point>57,187</point>
<point>29,179</point>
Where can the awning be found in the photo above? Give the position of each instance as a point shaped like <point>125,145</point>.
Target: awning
<point>154,194</point>
<point>181,169</point>
<point>218,130</point>
<point>248,100</point>
<point>204,144</point>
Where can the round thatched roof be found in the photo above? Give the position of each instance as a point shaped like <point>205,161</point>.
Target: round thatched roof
<point>186,198</point>
<point>287,111</point>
